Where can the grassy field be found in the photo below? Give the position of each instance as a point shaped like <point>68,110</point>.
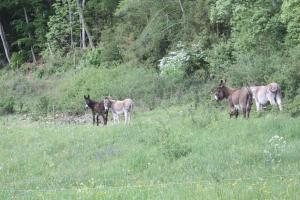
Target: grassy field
<point>168,153</point>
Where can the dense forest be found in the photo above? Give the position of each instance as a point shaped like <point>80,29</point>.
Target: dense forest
<point>184,42</point>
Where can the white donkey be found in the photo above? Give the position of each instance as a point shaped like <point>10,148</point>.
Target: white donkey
<point>118,107</point>
<point>265,94</point>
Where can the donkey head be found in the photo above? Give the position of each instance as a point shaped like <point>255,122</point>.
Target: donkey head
<point>107,102</point>
<point>221,91</point>
<point>87,101</point>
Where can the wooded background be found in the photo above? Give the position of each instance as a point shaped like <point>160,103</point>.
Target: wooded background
<point>245,41</point>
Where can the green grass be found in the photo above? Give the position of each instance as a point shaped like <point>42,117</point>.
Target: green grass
<point>168,153</point>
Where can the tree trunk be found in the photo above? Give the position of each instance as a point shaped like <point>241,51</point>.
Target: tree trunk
<point>84,25</point>
<point>4,42</point>
<point>181,8</point>
<point>83,29</point>
<point>71,24</point>
<point>30,36</point>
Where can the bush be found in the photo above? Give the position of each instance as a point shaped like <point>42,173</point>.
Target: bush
<point>294,106</point>
<point>120,82</point>
<point>43,105</point>
<point>7,104</point>
<point>220,58</point>
<point>17,59</point>
<point>57,63</point>
<point>184,63</point>
<point>93,57</point>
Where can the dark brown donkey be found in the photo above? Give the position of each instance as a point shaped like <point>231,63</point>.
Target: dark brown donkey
<point>238,99</point>
<point>97,109</point>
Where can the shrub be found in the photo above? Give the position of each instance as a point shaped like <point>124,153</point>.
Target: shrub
<point>43,105</point>
<point>7,104</point>
<point>17,59</point>
<point>220,58</point>
<point>140,84</point>
<point>93,57</point>
<point>184,62</point>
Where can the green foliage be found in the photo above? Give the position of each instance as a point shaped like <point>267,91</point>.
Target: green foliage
<point>7,104</point>
<point>220,58</point>
<point>57,64</point>
<point>290,16</point>
<point>173,148</point>
<point>17,59</point>
<point>43,105</point>
<point>121,82</point>
<point>60,26</point>
<point>93,57</point>
<point>288,73</point>
<point>184,63</point>
<point>99,15</point>
<point>256,25</point>
<point>294,107</point>
<point>253,68</point>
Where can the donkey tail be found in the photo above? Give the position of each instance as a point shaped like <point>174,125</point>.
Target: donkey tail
<point>131,107</point>
<point>249,97</point>
<point>278,98</point>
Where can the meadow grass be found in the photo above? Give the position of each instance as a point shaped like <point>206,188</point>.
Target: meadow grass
<point>168,153</point>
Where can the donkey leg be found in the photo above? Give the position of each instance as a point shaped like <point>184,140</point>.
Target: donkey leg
<point>126,116</point>
<point>97,120</point>
<point>129,117</point>
<point>118,118</point>
<point>105,116</point>
<point>279,103</point>
<point>115,118</point>
<point>244,112</point>
<point>258,106</point>
<point>236,114</point>
<point>248,111</point>
<point>271,98</point>
<point>93,118</point>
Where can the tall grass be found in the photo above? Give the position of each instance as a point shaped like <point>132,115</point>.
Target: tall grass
<point>178,152</point>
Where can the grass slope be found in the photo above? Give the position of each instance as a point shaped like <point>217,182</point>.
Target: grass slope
<point>168,153</point>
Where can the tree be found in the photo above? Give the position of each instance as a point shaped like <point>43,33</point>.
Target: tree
<point>290,16</point>
<point>4,42</point>
<point>84,26</point>
<point>63,28</point>
<point>29,35</point>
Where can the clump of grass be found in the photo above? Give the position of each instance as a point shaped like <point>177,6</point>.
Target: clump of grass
<point>274,149</point>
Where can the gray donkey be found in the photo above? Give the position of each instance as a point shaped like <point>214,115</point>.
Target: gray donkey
<point>119,107</point>
<point>265,94</point>
<point>238,99</point>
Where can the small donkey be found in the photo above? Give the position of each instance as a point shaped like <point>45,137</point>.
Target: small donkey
<point>238,99</point>
<point>118,107</point>
<point>97,109</point>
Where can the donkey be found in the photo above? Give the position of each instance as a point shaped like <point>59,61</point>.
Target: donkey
<point>265,94</point>
<point>238,99</point>
<point>97,109</point>
<point>118,107</point>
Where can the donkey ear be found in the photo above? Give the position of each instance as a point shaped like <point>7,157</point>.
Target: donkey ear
<point>221,81</point>
<point>88,96</point>
<point>84,96</point>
